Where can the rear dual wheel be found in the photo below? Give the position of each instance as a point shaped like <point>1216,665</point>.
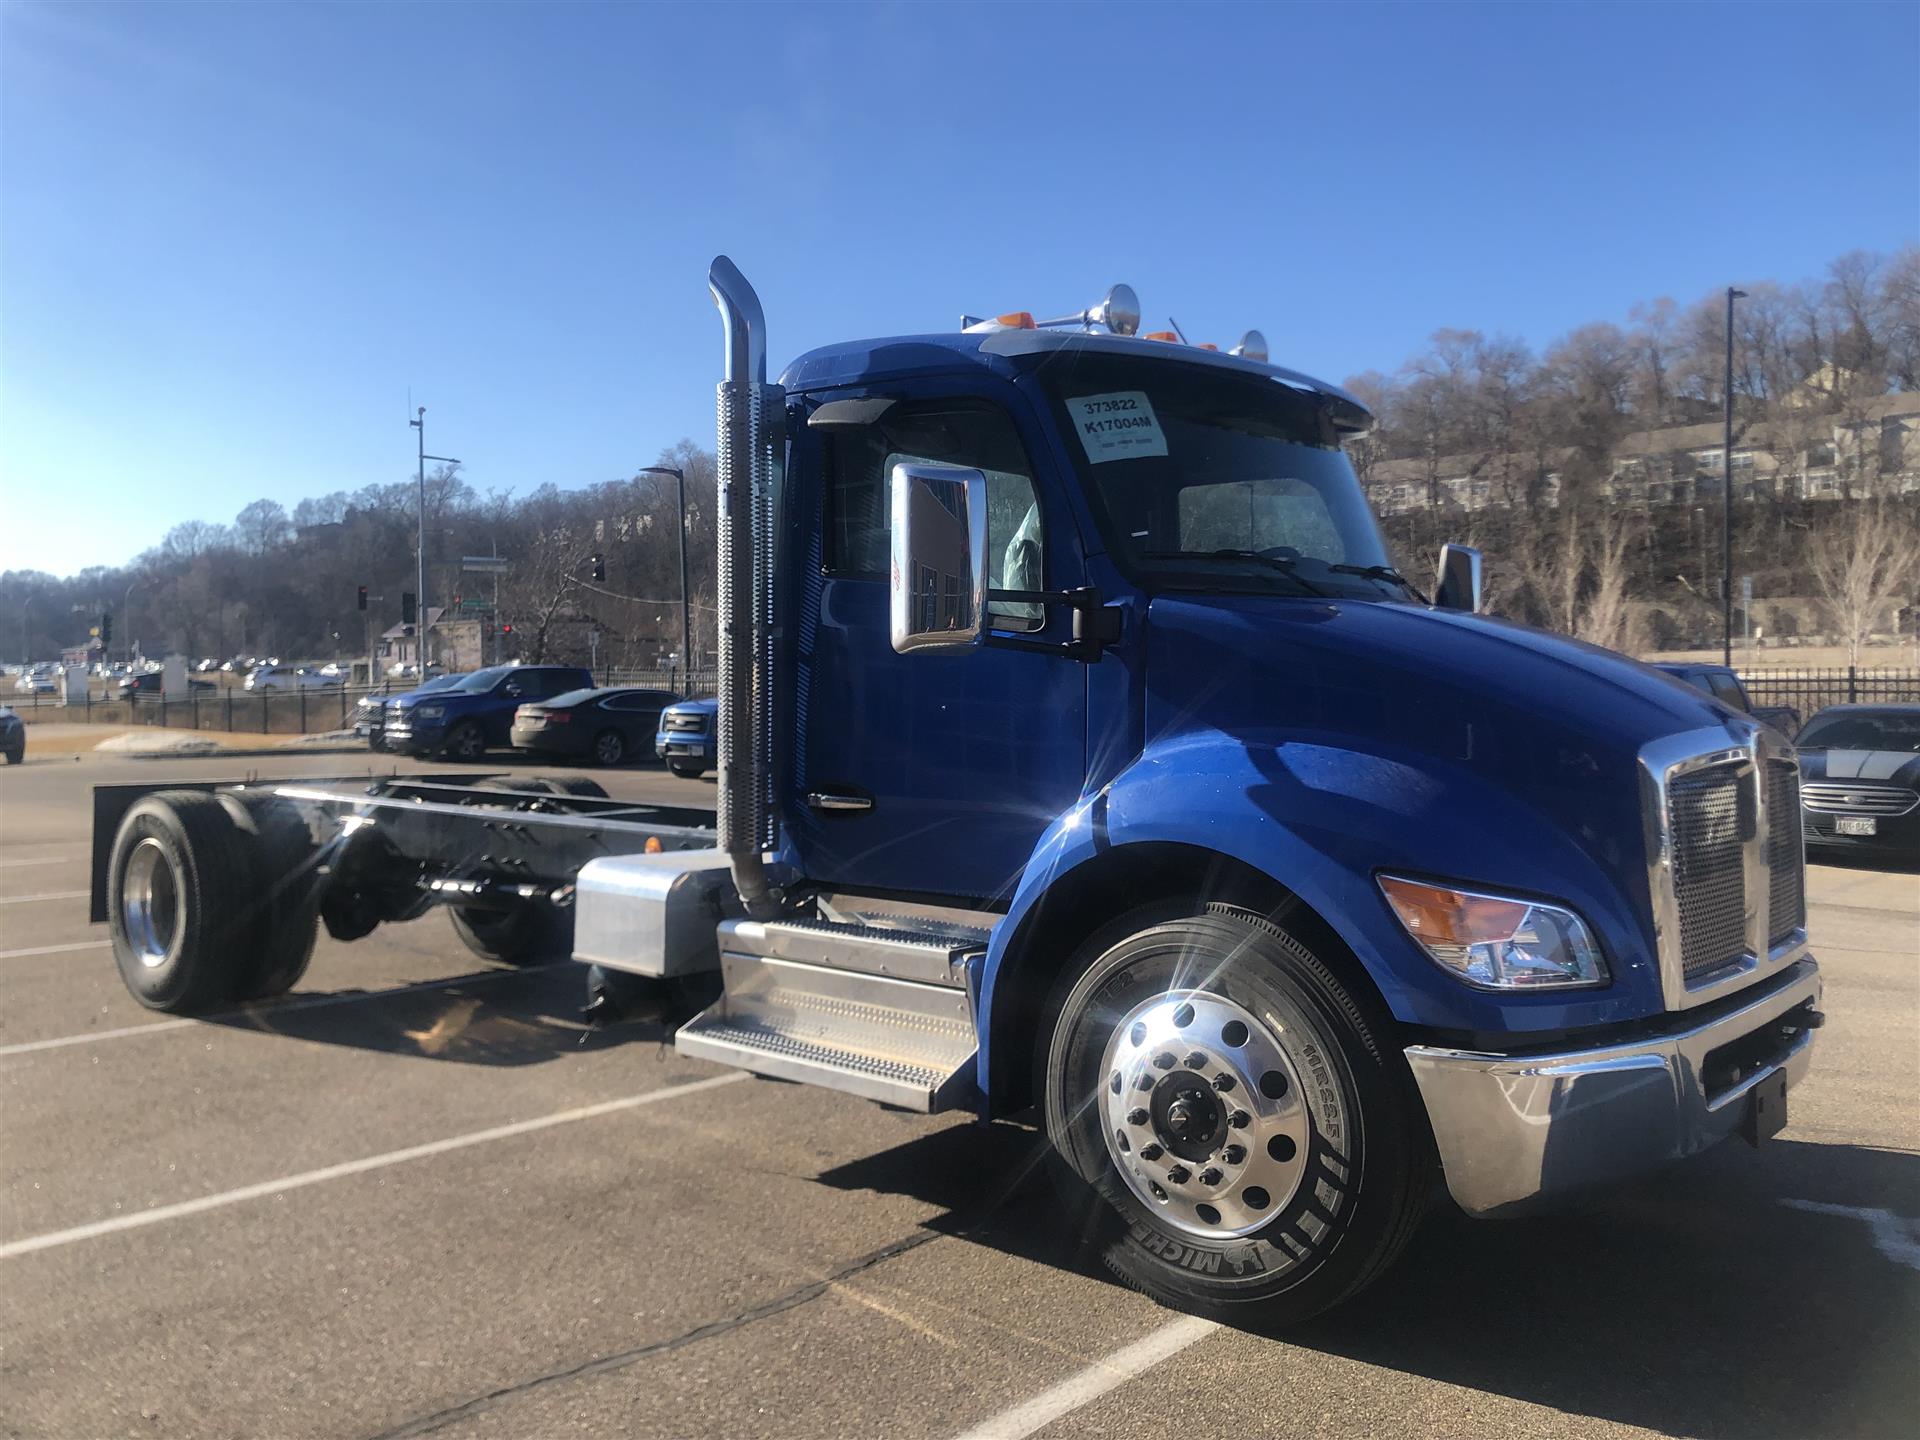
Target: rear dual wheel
<point>1230,1117</point>
<point>210,900</point>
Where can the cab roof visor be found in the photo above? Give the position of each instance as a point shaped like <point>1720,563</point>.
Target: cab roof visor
<point>845,414</point>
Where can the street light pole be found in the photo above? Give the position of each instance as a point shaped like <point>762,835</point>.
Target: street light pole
<point>1726,497</point>
<point>686,609</point>
<point>419,422</point>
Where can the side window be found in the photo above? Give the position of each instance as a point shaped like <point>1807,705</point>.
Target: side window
<point>1727,689</point>
<point>973,433</point>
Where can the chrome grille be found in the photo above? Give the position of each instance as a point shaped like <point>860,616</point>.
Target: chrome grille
<point>1864,798</point>
<point>691,724</point>
<point>1709,865</point>
<point>1786,869</point>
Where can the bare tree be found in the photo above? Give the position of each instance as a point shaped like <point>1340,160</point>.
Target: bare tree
<point>1866,562</point>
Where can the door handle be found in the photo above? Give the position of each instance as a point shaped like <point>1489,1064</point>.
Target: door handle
<point>838,801</point>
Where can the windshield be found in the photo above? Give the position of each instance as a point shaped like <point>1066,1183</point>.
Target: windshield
<point>1206,479</point>
<point>480,681</point>
<point>1863,730</point>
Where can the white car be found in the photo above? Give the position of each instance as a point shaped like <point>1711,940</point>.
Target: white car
<point>270,678</point>
<point>35,684</point>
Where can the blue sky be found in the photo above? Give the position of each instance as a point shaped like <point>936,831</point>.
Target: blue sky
<point>232,237</point>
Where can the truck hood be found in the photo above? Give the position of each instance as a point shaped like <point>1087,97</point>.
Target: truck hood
<point>1435,679</point>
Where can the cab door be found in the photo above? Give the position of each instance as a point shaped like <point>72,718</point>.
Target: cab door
<point>931,774</point>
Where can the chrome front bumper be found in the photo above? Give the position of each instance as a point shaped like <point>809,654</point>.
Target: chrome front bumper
<point>1513,1131</point>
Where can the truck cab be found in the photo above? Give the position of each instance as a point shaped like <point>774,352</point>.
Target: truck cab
<point>1083,754</point>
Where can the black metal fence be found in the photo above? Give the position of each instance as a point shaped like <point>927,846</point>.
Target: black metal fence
<point>1808,690</point>
<point>295,712</point>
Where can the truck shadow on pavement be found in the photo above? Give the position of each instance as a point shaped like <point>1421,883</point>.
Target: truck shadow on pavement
<point>1704,1300</point>
<point>493,1017</point>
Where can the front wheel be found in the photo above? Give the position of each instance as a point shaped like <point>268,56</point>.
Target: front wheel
<point>687,769</point>
<point>467,743</point>
<point>1232,1117</point>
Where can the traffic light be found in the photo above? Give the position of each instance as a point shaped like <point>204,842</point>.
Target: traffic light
<point>106,628</point>
<point>506,629</point>
<point>599,563</point>
<point>363,597</point>
<point>409,605</point>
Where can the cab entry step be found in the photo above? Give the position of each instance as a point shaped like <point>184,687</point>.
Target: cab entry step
<point>875,1012</point>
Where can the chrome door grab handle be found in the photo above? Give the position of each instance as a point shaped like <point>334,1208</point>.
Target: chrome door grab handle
<point>826,800</point>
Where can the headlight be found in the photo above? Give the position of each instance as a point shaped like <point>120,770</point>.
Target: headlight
<point>429,712</point>
<point>1497,942</point>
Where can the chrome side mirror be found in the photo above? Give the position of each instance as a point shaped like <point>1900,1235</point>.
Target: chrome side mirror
<point>937,585</point>
<point>1458,585</point>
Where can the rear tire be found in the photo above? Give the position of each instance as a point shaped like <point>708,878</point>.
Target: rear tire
<point>1263,1158</point>
<point>529,934</point>
<point>285,916</point>
<point>176,879</point>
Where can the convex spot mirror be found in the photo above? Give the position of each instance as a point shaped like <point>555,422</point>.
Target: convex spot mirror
<point>937,581</point>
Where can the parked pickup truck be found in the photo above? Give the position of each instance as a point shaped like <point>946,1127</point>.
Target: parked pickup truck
<point>685,739</point>
<point>1722,683</point>
<point>474,714</point>
<point>1083,754</point>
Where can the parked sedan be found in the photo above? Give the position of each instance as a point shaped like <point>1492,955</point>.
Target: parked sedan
<point>13,736</point>
<point>686,739</point>
<point>152,682</point>
<point>270,678</point>
<point>1860,781</point>
<point>606,726</point>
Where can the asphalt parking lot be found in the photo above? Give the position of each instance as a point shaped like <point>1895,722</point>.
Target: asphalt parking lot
<point>415,1197</point>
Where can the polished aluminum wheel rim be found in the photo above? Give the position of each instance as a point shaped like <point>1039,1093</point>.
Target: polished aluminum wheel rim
<point>1203,1113</point>
<point>150,903</point>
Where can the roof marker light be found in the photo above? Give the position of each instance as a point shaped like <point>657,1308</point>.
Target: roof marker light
<point>1166,335</point>
<point>1252,346</point>
<point>1012,320</point>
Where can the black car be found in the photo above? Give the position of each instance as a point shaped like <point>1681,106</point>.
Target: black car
<point>152,682</point>
<point>1860,780</point>
<point>606,726</point>
<point>13,736</point>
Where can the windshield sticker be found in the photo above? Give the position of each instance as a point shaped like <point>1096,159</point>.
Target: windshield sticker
<point>1120,426</point>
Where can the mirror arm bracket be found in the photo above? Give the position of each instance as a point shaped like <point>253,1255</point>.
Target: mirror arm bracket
<point>1095,624</point>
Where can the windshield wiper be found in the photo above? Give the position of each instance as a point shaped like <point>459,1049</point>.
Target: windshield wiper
<point>1379,572</point>
<point>1275,562</point>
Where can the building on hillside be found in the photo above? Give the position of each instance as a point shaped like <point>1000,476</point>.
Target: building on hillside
<point>451,642</point>
<point>1800,454</point>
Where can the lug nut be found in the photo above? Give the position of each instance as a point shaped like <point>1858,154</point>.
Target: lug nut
<point>1150,1151</point>
<point>1239,1120</point>
<point>1196,1061</point>
<point>1136,1116</point>
<point>1210,1176</point>
<point>1234,1154</point>
<point>1163,1061</point>
<point>1179,1175</point>
<point>1223,1082</point>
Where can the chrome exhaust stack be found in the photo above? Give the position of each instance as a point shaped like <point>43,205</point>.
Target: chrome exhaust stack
<point>745,467</point>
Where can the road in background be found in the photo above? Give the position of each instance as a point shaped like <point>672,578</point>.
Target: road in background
<point>416,1197</point>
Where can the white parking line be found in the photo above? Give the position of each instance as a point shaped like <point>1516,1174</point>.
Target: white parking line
<point>142,1218</point>
<point>1093,1382</point>
<point>50,895</point>
<point>1894,1236</point>
<point>263,1013</point>
<point>55,949</point>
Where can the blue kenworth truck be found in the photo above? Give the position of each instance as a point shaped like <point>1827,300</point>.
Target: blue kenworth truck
<point>1082,754</point>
